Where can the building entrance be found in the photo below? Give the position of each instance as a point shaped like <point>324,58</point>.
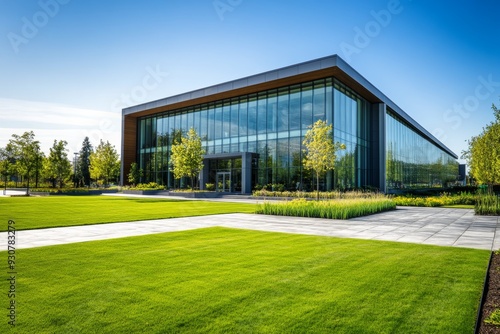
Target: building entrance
<point>223,183</point>
<point>229,172</point>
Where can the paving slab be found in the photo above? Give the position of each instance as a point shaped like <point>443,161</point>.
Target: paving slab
<point>432,226</point>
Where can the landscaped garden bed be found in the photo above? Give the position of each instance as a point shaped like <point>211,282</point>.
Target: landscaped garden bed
<point>331,209</point>
<point>489,321</point>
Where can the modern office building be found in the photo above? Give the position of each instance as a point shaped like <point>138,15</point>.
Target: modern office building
<point>252,130</point>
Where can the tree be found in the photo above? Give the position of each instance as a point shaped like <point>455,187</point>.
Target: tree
<point>104,162</point>
<point>320,150</point>
<point>26,152</point>
<point>83,163</point>
<point>483,154</point>
<point>57,165</point>
<point>6,166</point>
<point>135,174</point>
<point>187,156</point>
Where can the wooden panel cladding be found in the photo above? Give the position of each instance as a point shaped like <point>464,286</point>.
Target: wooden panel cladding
<point>129,145</point>
<point>297,79</point>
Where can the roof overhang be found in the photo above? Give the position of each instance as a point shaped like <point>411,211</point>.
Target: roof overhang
<point>331,66</point>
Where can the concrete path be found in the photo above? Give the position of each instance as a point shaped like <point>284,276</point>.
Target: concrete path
<point>433,226</point>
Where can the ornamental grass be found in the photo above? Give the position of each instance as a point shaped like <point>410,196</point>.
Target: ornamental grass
<point>488,205</point>
<point>332,209</point>
<point>434,201</point>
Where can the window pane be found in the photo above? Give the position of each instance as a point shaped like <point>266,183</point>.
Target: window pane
<point>294,118</point>
<point>307,107</point>
<point>272,106</point>
<point>252,116</point>
<point>261,105</point>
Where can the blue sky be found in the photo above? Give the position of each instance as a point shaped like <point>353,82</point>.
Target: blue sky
<point>69,66</point>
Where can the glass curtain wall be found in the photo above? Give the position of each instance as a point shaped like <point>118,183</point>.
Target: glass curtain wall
<point>271,124</point>
<point>412,161</point>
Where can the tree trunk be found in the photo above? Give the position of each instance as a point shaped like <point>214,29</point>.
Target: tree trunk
<point>317,186</point>
<point>28,186</point>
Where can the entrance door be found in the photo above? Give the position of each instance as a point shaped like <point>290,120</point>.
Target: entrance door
<point>223,182</point>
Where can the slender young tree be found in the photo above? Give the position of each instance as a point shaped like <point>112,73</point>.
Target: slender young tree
<point>187,156</point>
<point>104,162</point>
<point>320,150</point>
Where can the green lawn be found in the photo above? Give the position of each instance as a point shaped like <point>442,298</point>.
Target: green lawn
<point>55,211</point>
<point>235,281</point>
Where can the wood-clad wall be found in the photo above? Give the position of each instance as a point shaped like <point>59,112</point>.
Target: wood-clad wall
<point>129,145</point>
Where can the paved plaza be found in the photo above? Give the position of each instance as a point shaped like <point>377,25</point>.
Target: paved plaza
<point>432,226</point>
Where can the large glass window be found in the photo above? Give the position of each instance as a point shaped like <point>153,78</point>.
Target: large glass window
<point>352,164</point>
<point>272,125</point>
<point>412,161</point>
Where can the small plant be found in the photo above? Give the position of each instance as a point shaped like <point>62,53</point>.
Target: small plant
<point>149,186</point>
<point>257,187</point>
<point>494,318</point>
<point>210,186</point>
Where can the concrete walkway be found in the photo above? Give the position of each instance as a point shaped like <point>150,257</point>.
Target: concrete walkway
<point>433,226</point>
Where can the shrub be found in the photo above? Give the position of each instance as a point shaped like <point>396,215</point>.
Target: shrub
<point>433,201</point>
<point>210,186</point>
<point>322,195</point>
<point>148,186</point>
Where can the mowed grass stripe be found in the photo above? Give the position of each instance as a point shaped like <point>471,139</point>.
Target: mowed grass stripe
<point>57,211</point>
<point>222,280</point>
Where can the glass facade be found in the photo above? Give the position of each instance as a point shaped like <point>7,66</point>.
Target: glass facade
<point>412,161</point>
<point>271,124</point>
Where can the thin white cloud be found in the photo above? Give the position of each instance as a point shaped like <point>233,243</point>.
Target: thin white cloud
<point>51,121</point>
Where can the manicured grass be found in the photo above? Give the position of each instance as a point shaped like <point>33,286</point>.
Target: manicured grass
<point>234,281</point>
<point>331,209</point>
<point>55,211</point>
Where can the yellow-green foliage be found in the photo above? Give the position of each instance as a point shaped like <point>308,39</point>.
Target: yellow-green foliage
<point>149,186</point>
<point>433,201</point>
<point>494,318</point>
<point>487,205</point>
<point>332,209</point>
<point>322,195</point>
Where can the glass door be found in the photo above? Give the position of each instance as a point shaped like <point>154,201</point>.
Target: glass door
<point>223,182</point>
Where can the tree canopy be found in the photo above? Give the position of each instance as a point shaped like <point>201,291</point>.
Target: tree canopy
<point>483,154</point>
<point>320,150</point>
<point>25,151</point>
<point>57,166</point>
<point>187,156</point>
<point>135,174</point>
<point>83,163</point>
<point>104,162</point>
